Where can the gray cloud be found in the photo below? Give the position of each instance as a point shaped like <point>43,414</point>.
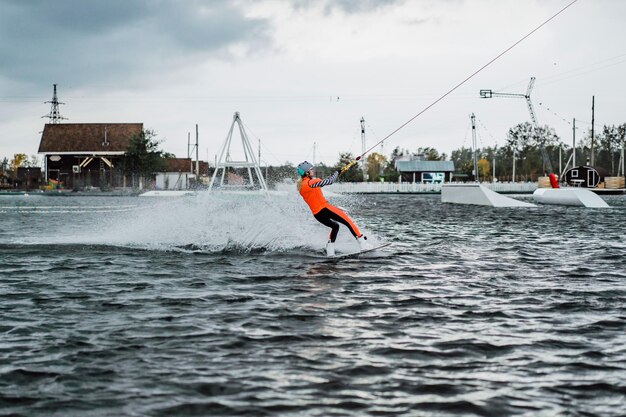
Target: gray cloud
<point>84,41</point>
<point>347,6</point>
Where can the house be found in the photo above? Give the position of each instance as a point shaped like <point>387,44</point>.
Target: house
<point>425,171</point>
<point>179,174</point>
<point>86,154</point>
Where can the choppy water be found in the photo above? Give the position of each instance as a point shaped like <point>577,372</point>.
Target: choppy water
<point>223,306</point>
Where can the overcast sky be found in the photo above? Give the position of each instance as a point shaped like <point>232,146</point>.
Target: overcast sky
<point>302,71</point>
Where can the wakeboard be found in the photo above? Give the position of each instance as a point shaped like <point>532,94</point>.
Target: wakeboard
<point>356,254</point>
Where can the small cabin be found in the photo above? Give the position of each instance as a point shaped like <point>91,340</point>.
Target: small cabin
<point>585,176</point>
<point>427,172</point>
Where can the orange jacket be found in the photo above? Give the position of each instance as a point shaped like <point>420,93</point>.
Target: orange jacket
<point>313,196</point>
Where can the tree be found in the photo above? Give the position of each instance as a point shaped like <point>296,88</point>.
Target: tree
<point>389,169</point>
<point>483,168</point>
<point>18,160</point>
<point>430,154</point>
<point>375,165</point>
<point>526,143</point>
<point>463,161</point>
<point>354,174</point>
<point>611,140</point>
<point>143,156</point>
<point>4,165</point>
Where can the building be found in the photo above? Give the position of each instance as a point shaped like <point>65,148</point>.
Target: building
<point>425,171</point>
<point>180,174</point>
<point>585,176</point>
<point>29,177</point>
<point>86,154</point>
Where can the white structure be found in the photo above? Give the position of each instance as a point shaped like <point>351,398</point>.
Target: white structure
<point>166,193</point>
<point>479,195</point>
<point>250,163</point>
<point>569,197</point>
<point>173,180</point>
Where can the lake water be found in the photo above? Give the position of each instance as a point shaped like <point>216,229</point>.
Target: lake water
<point>225,305</point>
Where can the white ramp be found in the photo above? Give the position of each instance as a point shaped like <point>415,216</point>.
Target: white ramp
<point>478,195</point>
<point>166,193</point>
<point>580,197</point>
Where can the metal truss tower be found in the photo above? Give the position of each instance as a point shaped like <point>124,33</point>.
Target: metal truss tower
<point>250,163</point>
<point>547,164</point>
<point>54,116</point>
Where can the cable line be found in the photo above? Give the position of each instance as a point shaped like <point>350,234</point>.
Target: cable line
<point>457,86</point>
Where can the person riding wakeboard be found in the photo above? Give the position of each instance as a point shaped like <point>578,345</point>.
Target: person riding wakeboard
<point>310,189</point>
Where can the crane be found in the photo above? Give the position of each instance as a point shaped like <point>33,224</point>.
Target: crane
<point>489,94</point>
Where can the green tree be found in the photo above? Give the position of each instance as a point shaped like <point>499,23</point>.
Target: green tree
<point>430,154</point>
<point>354,174</point>
<point>611,141</point>
<point>463,161</point>
<point>526,143</point>
<point>143,156</point>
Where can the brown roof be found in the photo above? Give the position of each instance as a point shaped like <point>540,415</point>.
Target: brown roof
<point>87,137</point>
<point>185,165</point>
<point>178,164</point>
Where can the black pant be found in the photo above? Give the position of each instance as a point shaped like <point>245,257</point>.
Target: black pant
<point>329,216</point>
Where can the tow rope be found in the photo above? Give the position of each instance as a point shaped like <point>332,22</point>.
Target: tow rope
<point>351,163</point>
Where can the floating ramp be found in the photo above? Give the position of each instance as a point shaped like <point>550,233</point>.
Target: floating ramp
<point>166,193</point>
<point>580,197</point>
<point>477,195</point>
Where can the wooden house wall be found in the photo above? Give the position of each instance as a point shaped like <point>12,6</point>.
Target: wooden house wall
<point>91,175</point>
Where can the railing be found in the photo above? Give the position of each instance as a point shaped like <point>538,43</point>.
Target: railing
<point>407,187</point>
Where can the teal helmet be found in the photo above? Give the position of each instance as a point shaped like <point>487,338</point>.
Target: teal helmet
<point>303,168</point>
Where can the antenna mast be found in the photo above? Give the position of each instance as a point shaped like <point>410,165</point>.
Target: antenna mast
<point>54,116</point>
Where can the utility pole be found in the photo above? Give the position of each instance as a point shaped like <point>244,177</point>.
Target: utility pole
<point>197,156</point>
<point>54,116</point>
<point>473,119</point>
<point>514,158</point>
<point>593,157</point>
<point>363,164</point>
<point>314,149</point>
<point>189,151</point>
<point>574,143</point>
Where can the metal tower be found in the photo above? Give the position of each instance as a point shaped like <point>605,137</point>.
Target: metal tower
<point>54,116</point>
<point>489,94</point>
<point>250,162</point>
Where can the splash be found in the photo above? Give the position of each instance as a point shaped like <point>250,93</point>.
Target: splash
<point>215,222</point>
